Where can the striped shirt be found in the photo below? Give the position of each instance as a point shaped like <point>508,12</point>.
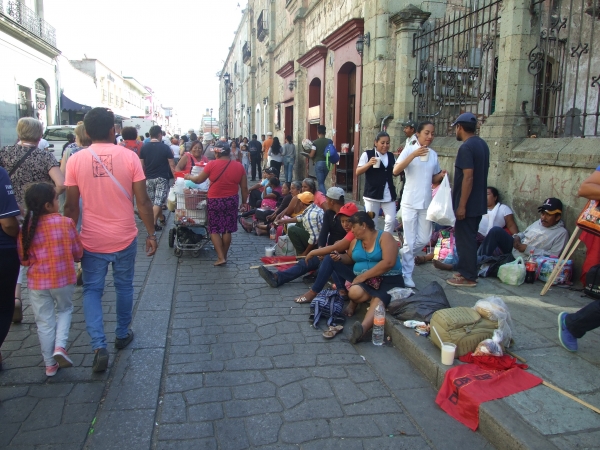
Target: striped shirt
<point>55,246</point>
<point>312,219</point>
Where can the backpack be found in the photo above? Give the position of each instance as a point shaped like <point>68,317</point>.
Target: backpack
<point>592,282</point>
<point>329,304</point>
<point>331,154</point>
<point>462,326</point>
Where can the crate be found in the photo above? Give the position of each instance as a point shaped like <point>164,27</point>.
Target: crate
<point>191,205</point>
<point>190,199</point>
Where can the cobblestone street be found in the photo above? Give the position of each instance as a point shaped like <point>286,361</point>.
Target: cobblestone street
<point>219,360</point>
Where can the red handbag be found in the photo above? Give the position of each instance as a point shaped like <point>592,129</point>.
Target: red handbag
<point>589,219</point>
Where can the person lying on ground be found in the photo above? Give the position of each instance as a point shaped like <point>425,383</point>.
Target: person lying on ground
<point>373,266</point>
<point>498,215</point>
<point>572,327</point>
<point>305,233</point>
<point>332,234</point>
<point>546,236</point>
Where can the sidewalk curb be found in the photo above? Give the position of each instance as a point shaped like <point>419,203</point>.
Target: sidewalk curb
<point>498,422</point>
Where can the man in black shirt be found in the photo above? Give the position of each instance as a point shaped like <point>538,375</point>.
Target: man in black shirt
<point>255,149</point>
<point>469,197</point>
<point>331,232</point>
<point>158,164</point>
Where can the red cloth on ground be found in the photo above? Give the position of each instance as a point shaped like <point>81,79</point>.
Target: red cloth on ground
<point>466,386</point>
<point>592,256</point>
<point>503,362</point>
<point>280,259</point>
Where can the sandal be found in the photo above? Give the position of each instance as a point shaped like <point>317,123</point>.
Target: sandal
<point>157,228</point>
<point>332,331</point>
<point>18,314</point>
<point>162,222</point>
<point>302,299</point>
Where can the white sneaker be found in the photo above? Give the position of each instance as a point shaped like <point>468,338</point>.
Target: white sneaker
<point>408,281</point>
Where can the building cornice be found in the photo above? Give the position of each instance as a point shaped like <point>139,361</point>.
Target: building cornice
<point>344,34</point>
<point>18,32</point>
<point>313,56</point>
<point>286,70</point>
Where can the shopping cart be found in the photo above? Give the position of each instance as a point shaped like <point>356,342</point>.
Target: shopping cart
<point>190,232</point>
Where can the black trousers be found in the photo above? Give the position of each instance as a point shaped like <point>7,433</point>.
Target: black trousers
<point>276,166</point>
<point>9,272</point>
<point>465,236</point>
<point>584,320</point>
<point>255,164</point>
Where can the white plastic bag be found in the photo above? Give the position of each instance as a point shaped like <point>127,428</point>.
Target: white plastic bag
<point>490,347</point>
<point>440,209</point>
<point>284,247</point>
<point>494,308</point>
<point>398,293</point>
<point>513,273</point>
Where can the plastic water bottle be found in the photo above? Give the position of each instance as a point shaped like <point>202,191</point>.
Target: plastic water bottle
<point>379,325</point>
<point>273,233</point>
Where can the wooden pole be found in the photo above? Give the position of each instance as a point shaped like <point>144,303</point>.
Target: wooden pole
<point>275,264</point>
<point>561,261</point>
<point>572,397</point>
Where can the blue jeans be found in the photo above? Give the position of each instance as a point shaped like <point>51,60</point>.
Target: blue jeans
<point>288,168</point>
<point>496,238</point>
<point>329,268</point>
<point>95,267</point>
<point>298,270</point>
<point>321,172</point>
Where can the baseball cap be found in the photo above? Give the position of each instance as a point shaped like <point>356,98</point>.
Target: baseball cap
<point>306,197</point>
<point>335,193</point>
<point>268,170</point>
<point>551,206</point>
<point>222,146</point>
<point>349,209</point>
<point>409,123</point>
<point>269,133</point>
<point>465,118</point>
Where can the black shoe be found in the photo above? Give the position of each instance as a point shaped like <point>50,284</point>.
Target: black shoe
<point>121,343</point>
<point>100,360</point>
<point>357,333</point>
<point>268,276</point>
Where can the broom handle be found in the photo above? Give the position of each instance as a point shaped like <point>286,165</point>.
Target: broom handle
<point>275,264</point>
<point>572,397</point>
<point>557,269</point>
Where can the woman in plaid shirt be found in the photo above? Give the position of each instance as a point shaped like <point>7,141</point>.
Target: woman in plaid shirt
<point>48,245</point>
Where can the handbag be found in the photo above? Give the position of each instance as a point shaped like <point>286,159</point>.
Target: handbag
<point>374,282</point>
<point>440,209</point>
<point>328,303</point>
<point>589,219</point>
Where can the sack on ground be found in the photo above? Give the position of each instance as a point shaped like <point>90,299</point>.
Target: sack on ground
<point>284,247</point>
<point>462,326</point>
<point>494,309</point>
<point>592,282</point>
<point>545,266</point>
<point>420,306</point>
<point>327,304</point>
<point>440,209</point>
<point>513,273</point>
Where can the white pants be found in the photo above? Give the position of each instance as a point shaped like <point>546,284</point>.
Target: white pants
<point>52,309</point>
<point>389,211</point>
<point>417,233</point>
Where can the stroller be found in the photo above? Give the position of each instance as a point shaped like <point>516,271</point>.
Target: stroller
<point>190,232</point>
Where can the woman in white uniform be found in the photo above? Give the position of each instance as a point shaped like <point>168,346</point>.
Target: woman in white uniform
<point>420,165</point>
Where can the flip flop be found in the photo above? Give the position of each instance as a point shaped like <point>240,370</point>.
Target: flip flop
<point>332,331</point>
<point>420,260</point>
<point>302,299</point>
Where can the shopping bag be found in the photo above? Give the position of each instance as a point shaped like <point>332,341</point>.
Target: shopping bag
<point>284,247</point>
<point>512,273</point>
<point>440,210</point>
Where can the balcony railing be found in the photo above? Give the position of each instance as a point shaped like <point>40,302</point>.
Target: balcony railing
<point>28,19</point>
<point>246,53</point>
<point>262,28</point>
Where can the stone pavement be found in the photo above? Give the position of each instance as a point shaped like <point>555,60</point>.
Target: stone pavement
<point>539,417</point>
<point>219,360</point>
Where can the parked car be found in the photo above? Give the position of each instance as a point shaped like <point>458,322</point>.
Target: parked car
<point>56,135</point>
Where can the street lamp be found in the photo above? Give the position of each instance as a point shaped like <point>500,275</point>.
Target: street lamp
<point>226,79</point>
<point>211,122</point>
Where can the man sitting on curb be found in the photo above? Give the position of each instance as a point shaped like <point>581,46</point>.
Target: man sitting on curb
<point>304,235</point>
<point>332,233</point>
<point>546,236</point>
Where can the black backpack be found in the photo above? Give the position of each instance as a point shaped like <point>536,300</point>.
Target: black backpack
<point>592,282</point>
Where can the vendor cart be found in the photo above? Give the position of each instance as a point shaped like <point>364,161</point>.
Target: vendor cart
<point>190,232</point>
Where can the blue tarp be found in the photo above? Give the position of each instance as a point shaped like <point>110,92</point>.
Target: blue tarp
<point>67,104</point>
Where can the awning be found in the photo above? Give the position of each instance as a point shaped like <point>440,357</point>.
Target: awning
<point>67,104</point>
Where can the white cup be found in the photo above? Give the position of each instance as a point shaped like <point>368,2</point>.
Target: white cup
<point>448,350</point>
<point>425,158</point>
<point>269,251</point>
<point>378,163</point>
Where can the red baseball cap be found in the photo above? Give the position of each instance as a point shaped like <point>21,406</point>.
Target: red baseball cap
<point>349,209</point>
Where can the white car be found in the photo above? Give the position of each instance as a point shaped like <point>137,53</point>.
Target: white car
<point>56,135</point>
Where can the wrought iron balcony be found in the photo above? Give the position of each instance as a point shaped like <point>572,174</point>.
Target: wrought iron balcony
<point>262,27</point>
<point>28,19</point>
<point>246,53</point>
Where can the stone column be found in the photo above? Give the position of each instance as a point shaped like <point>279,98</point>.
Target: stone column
<point>407,23</point>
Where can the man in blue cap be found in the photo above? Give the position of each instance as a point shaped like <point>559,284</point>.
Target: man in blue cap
<point>468,197</point>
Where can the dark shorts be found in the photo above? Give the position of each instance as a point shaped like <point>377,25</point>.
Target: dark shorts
<point>389,282</point>
<point>222,214</point>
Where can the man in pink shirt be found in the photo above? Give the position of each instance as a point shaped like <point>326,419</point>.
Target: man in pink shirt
<point>106,177</point>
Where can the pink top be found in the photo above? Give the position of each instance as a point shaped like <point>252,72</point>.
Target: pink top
<point>108,223</point>
<point>320,199</point>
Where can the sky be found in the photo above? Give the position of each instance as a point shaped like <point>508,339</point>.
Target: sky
<point>176,46</point>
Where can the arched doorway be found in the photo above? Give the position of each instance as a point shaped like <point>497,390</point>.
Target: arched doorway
<point>314,107</point>
<point>345,120</point>
<point>42,101</point>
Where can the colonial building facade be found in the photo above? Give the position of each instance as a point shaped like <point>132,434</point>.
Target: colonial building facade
<point>526,68</point>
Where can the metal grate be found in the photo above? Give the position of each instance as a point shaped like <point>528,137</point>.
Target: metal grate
<point>456,65</point>
<point>566,94</point>
<point>28,19</point>
<point>262,28</point>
